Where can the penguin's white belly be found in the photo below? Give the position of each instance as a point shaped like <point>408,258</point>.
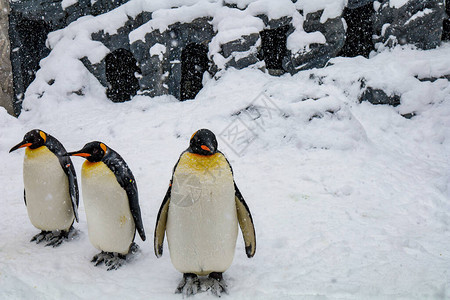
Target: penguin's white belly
<point>202,221</point>
<point>110,223</point>
<point>47,194</point>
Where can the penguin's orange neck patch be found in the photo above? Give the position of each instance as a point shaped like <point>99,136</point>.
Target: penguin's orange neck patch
<point>202,162</point>
<point>31,153</point>
<point>95,169</point>
<point>88,165</point>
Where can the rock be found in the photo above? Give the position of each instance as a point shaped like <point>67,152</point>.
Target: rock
<point>244,44</point>
<point>29,23</point>
<point>352,4</point>
<point>121,70</point>
<point>27,37</point>
<point>359,19</point>
<point>446,25</point>
<point>377,96</point>
<point>163,75</point>
<point>319,54</point>
<point>173,61</point>
<point>6,85</point>
<point>418,22</point>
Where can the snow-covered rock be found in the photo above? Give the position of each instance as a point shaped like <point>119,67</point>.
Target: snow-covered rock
<point>409,22</point>
<point>275,36</point>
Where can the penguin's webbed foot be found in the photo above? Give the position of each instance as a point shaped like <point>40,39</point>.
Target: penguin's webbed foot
<point>101,257</point>
<point>55,241</point>
<point>58,236</point>
<point>189,285</point>
<point>42,236</point>
<point>216,284</point>
<point>112,260</point>
<point>54,238</point>
<point>115,262</point>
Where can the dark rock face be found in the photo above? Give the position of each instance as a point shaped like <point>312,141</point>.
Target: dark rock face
<point>446,25</point>
<point>268,46</point>
<point>120,70</point>
<point>29,24</point>
<point>27,38</point>
<point>162,74</point>
<point>6,83</point>
<point>233,49</point>
<point>359,30</point>
<point>417,22</point>
<point>194,63</point>
<point>352,4</point>
<point>273,47</point>
<point>319,54</point>
<point>174,61</point>
<point>377,96</point>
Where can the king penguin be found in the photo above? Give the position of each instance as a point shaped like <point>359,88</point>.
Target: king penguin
<point>200,214</point>
<point>51,189</point>
<point>111,203</point>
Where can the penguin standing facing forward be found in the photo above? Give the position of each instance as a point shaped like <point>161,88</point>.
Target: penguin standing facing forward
<point>200,213</point>
<point>51,189</point>
<point>111,203</point>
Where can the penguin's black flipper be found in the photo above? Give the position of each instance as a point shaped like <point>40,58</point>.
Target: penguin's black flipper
<point>161,221</point>
<point>126,180</point>
<point>246,223</point>
<point>66,163</point>
<point>25,197</point>
<point>133,200</point>
<point>73,188</point>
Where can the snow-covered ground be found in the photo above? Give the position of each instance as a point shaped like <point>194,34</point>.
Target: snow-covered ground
<point>349,200</point>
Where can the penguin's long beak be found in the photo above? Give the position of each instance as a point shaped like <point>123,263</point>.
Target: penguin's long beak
<point>78,153</point>
<point>22,144</point>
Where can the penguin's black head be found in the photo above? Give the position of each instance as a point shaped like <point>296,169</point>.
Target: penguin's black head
<point>32,139</point>
<point>93,151</point>
<point>203,142</point>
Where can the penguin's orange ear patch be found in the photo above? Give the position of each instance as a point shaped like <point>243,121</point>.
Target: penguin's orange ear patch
<point>103,146</point>
<point>194,134</point>
<point>43,136</point>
